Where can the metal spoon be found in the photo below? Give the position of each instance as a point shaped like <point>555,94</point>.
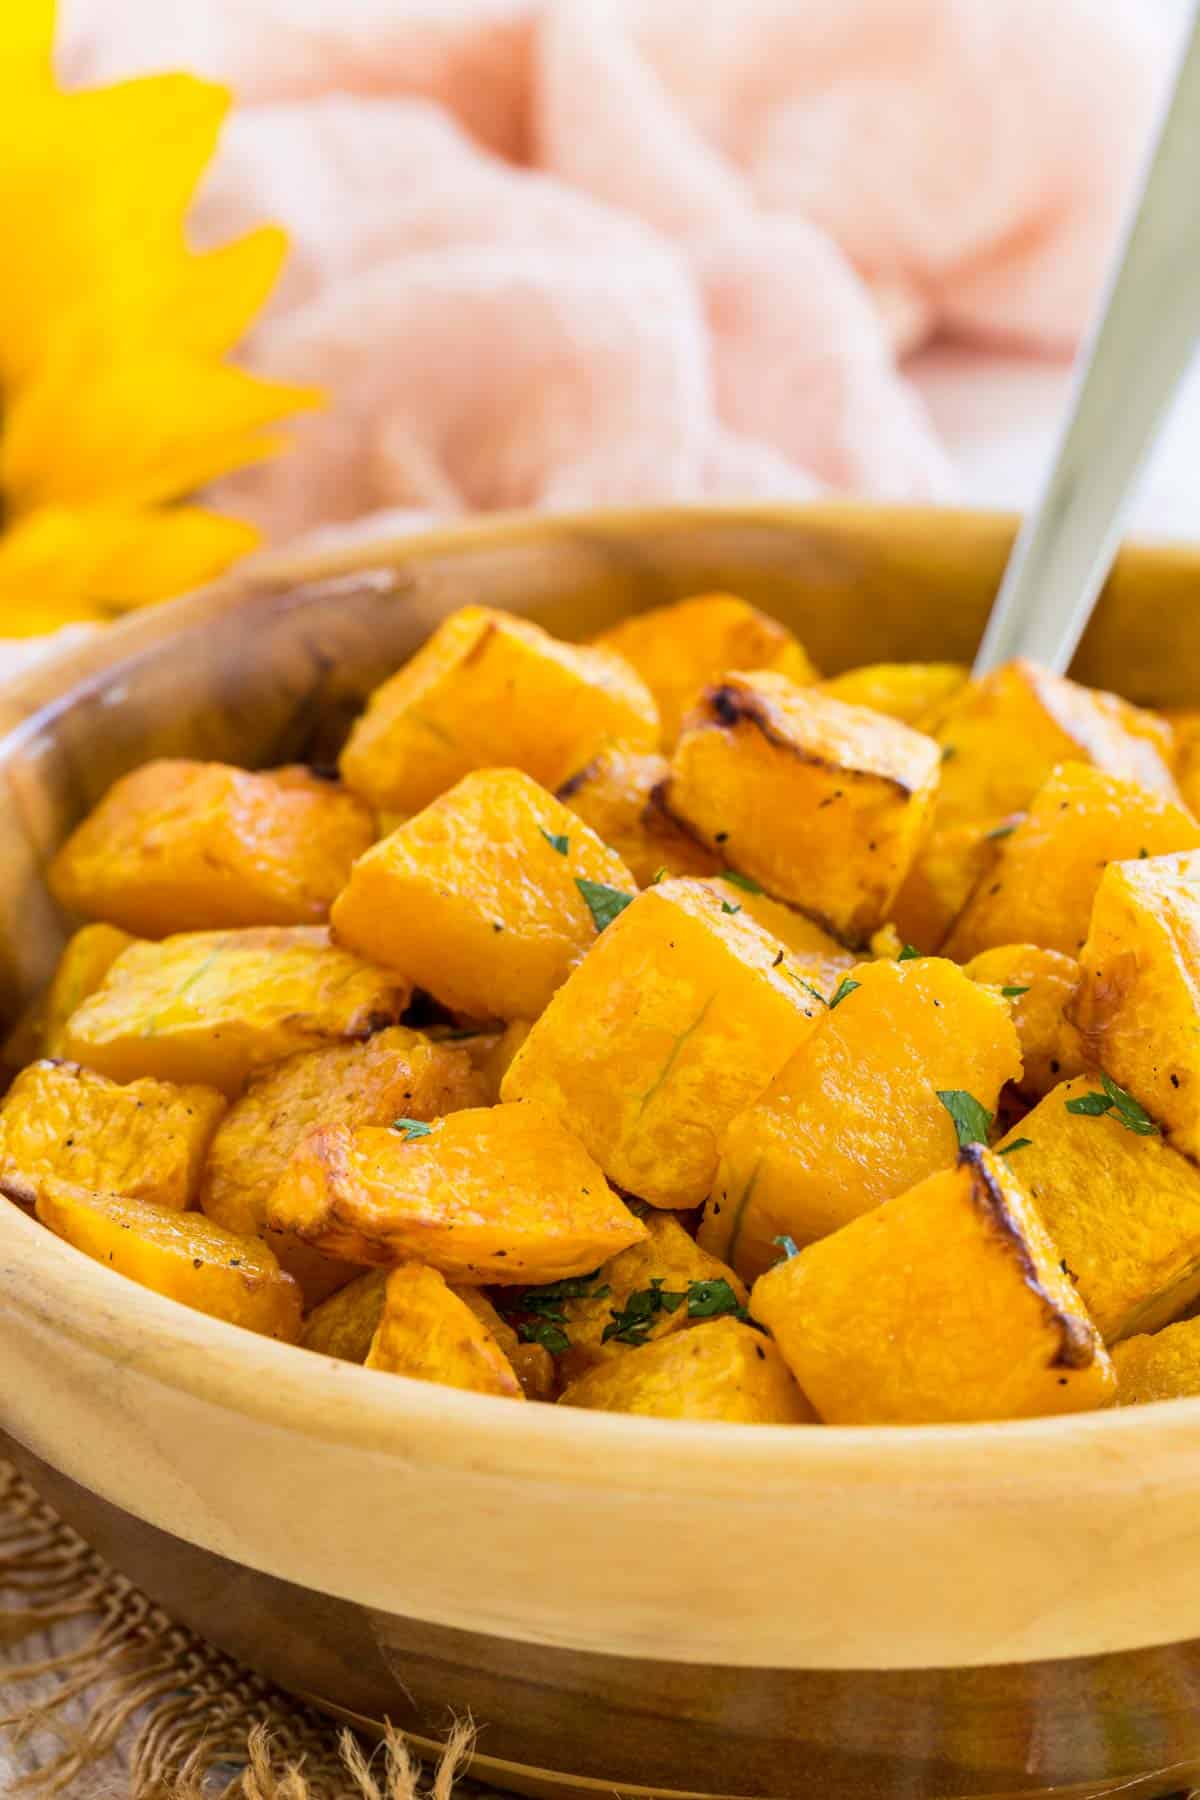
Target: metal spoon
<point>1128,371</point>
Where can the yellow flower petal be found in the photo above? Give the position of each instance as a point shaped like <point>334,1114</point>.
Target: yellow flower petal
<point>220,292</point>
<point>176,549</point>
<point>28,41</point>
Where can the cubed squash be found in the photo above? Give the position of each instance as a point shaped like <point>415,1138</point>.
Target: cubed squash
<point>500,1194</point>
<point>810,947</point>
<point>1121,1205</point>
<point>427,1332</point>
<point>614,794</point>
<point>676,1019</point>
<point>721,1370</point>
<point>482,898</point>
<point>193,846</point>
<point>180,1254</point>
<point>344,1324</point>
<point>669,1259</point>
<point>87,957</point>
<point>214,1006</point>
<point>1004,734</point>
<point>146,1141</point>
<point>677,650</point>
<point>947,1304</point>
<point>854,1116</point>
<point>823,804</point>
<point>488,689</point>
<point>395,1074</point>
<point>1038,985</point>
<point>914,693</point>
<point>1048,866</point>
<point>1137,1005</point>
<point>950,863</point>
<point>1165,1366</point>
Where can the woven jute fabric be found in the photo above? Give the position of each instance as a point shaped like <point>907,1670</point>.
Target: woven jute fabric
<point>103,1697</point>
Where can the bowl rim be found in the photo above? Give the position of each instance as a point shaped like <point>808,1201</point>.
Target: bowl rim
<point>335,1402</point>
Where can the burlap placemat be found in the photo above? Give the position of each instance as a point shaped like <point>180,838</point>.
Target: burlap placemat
<point>103,1697</point>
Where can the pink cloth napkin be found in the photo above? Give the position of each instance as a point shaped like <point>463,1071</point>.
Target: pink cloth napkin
<point>627,250</point>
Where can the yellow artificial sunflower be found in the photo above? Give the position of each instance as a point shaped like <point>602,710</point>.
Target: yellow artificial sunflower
<point>116,398</point>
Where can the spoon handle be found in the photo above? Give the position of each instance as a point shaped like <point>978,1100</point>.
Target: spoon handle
<point>1137,352</point>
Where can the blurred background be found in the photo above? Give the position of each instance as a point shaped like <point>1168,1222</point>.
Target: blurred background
<point>623,250</point>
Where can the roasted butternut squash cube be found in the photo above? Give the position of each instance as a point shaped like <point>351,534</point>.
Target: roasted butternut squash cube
<point>395,1074</point>
<point>1038,985</point>
<point>854,1116</point>
<point>215,1006</point>
<point>493,1194</point>
<point>668,1260</point>
<point>822,804</point>
<point>481,899</point>
<point>946,1304</point>
<point>1048,866</point>
<point>914,693</point>
<point>489,689</point>
<point>675,1020</point>
<point>87,957</point>
<point>1004,734</point>
<point>180,1254</point>
<point>344,1324</point>
<point>1138,1001</point>
<point>950,863</point>
<point>614,794</point>
<point>677,650</point>
<point>720,1370</point>
<point>193,846</point>
<point>823,960</point>
<point>427,1332</point>
<point>1165,1366</point>
<point>146,1141</point>
<point>1121,1205</point>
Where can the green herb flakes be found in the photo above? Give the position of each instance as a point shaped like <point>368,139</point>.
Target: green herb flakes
<point>972,1121</point>
<point>910,953</point>
<point>727,908</point>
<point>411,1128</point>
<point>1013,993</point>
<point>843,990</point>
<point>747,885</point>
<point>603,902</point>
<point>788,1245</point>
<point>1017,1144</point>
<point>556,840</point>
<point>1123,1107</point>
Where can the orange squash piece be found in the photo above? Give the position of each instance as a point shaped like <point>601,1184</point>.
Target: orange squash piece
<point>947,1304</point>
<point>478,899</point>
<point>1039,985</point>
<point>87,957</point>
<point>950,863</point>
<point>489,689</point>
<point>823,804</point>
<point>395,1074</point>
<point>146,1141</point>
<point>427,1332</point>
<point>854,1116</point>
<point>811,948</point>
<point>1004,735</point>
<point>914,693</point>
<point>1165,1366</point>
<point>1041,886</point>
<point>676,1019</point>
<point>720,1370</point>
<point>343,1325</point>
<point>493,1194</point>
<point>215,1006</point>
<point>614,794</point>
<point>193,846</point>
<point>678,649</point>
<point>1121,1205</point>
<point>1138,1001</point>
<point>180,1254</point>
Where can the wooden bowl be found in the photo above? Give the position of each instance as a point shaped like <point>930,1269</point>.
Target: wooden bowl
<point>621,1604</point>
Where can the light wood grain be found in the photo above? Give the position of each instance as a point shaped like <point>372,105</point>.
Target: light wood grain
<point>750,1548</point>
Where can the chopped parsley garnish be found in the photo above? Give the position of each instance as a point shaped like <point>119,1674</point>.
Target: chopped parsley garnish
<point>546,1322</point>
<point>711,1299</point>
<point>910,953</point>
<point>1013,993</point>
<point>948,750</point>
<point>745,882</point>
<point>411,1128</point>
<point>788,1245</point>
<point>727,908</point>
<point>843,990</point>
<point>658,875</point>
<point>1002,831</point>
<point>972,1121</point>
<point>557,840</point>
<point>1123,1107</point>
<point>604,902</point>
<point>1017,1144</point>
